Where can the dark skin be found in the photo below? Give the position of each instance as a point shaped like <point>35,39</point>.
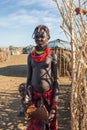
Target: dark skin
<point>41,41</point>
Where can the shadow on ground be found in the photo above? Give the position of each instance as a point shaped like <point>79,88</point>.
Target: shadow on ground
<point>9,107</point>
<point>14,71</point>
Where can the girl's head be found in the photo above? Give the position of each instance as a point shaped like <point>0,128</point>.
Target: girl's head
<point>41,35</point>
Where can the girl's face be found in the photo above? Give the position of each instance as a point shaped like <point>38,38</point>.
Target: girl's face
<point>41,38</point>
<point>22,90</point>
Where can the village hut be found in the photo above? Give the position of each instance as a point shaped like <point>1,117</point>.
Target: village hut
<point>63,51</point>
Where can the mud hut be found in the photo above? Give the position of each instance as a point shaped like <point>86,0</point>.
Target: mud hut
<point>63,51</point>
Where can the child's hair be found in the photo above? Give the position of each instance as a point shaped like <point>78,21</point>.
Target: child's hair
<point>21,87</point>
<point>39,28</point>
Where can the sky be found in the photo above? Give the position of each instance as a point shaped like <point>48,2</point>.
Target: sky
<point>18,19</point>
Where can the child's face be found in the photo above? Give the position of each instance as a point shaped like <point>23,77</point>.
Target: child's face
<point>41,38</point>
<point>22,91</point>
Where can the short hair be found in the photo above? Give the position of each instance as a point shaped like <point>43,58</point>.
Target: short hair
<point>21,87</point>
<point>41,27</point>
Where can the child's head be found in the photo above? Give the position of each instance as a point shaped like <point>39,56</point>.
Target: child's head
<point>22,89</point>
<point>41,35</point>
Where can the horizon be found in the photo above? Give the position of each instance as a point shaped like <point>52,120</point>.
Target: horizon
<point>34,44</point>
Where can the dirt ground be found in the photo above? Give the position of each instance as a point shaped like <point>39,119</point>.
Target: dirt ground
<point>12,73</point>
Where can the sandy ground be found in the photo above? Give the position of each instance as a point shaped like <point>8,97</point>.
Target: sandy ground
<point>12,73</point>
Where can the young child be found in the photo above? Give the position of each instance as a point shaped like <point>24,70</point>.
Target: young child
<point>42,79</point>
<point>22,95</point>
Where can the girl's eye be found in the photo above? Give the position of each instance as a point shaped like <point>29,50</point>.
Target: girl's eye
<point>39,36</point>
<point>42,36</point>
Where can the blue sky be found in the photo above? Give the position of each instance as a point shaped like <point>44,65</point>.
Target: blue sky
<point>18,19</point>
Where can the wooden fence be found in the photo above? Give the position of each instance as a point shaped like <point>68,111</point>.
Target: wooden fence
<point>64,61</point>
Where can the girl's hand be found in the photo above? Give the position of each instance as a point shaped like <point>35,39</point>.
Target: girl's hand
<point>51,115</point>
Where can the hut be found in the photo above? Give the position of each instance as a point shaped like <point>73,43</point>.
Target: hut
<point>63,51</point>
<point>4,54</point>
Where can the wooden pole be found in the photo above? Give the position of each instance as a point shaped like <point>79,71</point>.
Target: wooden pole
<point>60,61</point>
<point>73,63</point>
<point>76,29</point>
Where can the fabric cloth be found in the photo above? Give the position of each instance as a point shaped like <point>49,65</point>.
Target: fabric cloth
<point>37,124</point>
<point>41,57</point>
